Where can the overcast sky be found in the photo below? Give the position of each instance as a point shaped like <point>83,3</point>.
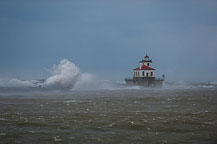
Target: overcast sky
<point>109,37</point>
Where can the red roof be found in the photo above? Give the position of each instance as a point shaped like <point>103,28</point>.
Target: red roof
<point>144,67</point>
<point>146,56</point>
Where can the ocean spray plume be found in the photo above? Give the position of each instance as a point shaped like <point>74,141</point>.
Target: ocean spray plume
<point>65,75</point>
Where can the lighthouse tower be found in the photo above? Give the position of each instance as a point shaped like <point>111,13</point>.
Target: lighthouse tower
<point>145,70</point>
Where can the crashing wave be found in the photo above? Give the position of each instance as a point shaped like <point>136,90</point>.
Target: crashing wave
<point>64,75</point>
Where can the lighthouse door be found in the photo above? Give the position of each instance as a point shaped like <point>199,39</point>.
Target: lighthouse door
<point>146,74</point>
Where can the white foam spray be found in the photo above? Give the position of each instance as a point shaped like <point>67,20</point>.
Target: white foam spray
<point>65,75</point>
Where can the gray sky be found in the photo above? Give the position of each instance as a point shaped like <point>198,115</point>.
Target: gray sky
<point>108,37</point>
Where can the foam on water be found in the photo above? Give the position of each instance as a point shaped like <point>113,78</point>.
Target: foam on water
<point>125,116</point>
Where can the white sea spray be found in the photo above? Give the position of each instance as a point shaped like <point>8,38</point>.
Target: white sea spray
<point>65,75</point>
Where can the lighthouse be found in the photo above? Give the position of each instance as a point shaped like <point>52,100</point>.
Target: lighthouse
<point>144,74</point>
<point>145,69</point>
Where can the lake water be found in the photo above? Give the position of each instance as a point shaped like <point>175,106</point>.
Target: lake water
<point>34,115</point>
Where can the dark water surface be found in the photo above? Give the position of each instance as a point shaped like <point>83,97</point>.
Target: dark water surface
<point>118,116</point>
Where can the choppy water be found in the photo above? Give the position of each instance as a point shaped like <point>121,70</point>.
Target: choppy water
<point>108,116</point>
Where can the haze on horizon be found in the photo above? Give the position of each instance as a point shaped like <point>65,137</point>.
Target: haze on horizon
<point>108,38</point>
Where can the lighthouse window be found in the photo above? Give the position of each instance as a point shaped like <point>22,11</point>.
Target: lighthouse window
<point>143,73</point>
<point>151,73</point>
<point>147,64</point>
<point>146,74</point>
